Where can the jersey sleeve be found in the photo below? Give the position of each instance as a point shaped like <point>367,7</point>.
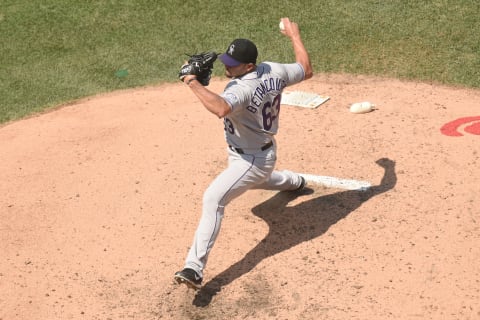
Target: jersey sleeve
<point>235,96</point>
<point>294,73</point>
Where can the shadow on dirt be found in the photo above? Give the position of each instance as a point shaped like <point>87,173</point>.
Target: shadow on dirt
<point>291,226</point>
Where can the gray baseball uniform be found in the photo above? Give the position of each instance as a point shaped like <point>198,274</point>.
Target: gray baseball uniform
<point>249,131</point>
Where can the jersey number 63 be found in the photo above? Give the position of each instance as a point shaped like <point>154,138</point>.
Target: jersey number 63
<point>270,112</point>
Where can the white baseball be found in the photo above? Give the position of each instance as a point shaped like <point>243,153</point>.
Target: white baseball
<point>281,26</point>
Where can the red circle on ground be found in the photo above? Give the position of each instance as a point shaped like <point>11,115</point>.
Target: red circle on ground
<point>451,128</point>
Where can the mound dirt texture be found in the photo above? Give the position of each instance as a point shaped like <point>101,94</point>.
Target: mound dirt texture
<point>100,199</point>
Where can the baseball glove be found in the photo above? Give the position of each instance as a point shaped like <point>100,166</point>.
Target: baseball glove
<point>200,65</point>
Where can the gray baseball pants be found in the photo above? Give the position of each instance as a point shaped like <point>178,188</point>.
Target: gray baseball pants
<point>244,172</point>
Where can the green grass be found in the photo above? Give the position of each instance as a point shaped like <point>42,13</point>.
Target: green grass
<point>55,51</point>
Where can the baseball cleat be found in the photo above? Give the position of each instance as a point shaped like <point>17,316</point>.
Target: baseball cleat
<point>189,277</point>
<point>302,185</point>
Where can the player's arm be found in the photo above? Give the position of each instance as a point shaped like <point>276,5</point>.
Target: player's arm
<point>212,101</point>
<point>292,31</point>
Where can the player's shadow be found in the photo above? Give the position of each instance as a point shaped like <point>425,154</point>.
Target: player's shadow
<point>290,226</point>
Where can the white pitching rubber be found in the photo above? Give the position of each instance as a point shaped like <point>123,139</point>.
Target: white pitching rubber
<point>333,182</point>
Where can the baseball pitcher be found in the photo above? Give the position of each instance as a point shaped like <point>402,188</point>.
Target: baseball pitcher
<point>250,109</point>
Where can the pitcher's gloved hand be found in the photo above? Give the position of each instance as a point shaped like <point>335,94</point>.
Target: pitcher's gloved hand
<point>199,65</point>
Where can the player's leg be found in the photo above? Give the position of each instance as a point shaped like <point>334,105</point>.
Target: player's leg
<point>283,181</point>
<point>242,173</point>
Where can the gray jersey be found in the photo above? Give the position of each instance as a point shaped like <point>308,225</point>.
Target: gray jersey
<point>255,101</point>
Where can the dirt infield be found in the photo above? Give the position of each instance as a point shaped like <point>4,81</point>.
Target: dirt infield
<point>100,199</point>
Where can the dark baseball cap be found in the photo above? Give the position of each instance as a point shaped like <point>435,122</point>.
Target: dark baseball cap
<point>238,52</point>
